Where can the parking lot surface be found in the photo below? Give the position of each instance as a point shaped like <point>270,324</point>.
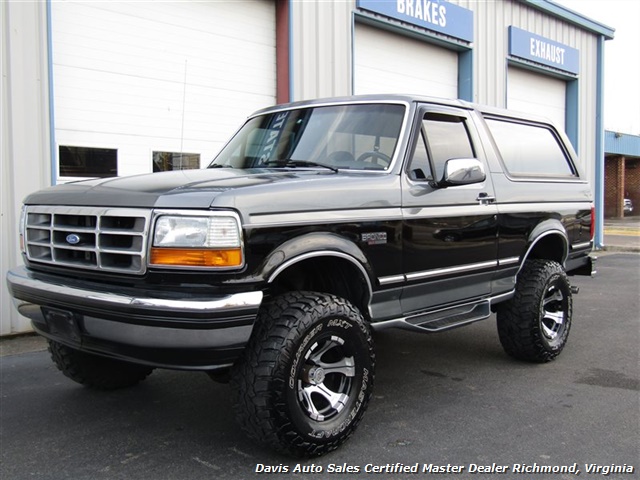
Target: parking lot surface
<point>444,399</point>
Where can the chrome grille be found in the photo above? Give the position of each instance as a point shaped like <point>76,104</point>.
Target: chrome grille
<point>107,239</point>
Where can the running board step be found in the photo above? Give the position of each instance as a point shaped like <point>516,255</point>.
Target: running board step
<point>451,317</point>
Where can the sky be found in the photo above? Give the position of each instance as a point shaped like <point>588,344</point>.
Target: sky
<point>621,57</point>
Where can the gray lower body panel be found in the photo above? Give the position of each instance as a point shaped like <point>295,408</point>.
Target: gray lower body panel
<point>194,333</point>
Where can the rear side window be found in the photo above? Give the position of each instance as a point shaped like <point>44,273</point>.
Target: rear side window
<point>530,150</point>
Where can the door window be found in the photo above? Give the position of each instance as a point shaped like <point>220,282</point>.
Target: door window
<point>442,137</point>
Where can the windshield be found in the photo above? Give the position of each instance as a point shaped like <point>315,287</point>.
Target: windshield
<point>361,137</point>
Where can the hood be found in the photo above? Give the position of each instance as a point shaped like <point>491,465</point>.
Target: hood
<point>188,189</point>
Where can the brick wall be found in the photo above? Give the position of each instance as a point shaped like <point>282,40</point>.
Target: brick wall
<point>632,183</point>
<point>613,182</point>
<point>621,180</point>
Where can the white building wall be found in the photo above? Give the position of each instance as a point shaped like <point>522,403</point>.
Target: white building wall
<point>387,62</point>
<point>548,99</point>
<point>164,76</point>
<point>24,132</point>
<point>321,48</point>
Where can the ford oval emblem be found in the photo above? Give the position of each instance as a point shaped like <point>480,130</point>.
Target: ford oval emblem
<point>73,239</point>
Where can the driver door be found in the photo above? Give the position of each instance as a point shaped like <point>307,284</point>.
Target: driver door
<point>449,233</point>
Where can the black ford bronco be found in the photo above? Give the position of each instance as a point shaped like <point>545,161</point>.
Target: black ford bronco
<point>317,223</point>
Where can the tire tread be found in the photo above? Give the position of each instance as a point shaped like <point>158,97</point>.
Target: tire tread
<point>283,320</point>
<point>518,318</point>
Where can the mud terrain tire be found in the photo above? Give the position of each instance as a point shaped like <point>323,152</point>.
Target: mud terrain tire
<point>534,325</point>
<point>306,377</point>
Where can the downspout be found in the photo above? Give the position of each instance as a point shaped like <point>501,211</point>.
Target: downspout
<point>353,53</point>
<point>291,70</point>
<point>52,126</point>
<point>599,186</point>
<point>283,51</point>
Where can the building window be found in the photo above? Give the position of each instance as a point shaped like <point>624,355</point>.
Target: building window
<point>164,161</point>
<point>88,162</point>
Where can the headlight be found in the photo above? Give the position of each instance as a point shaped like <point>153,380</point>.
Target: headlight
<point>188,240</point>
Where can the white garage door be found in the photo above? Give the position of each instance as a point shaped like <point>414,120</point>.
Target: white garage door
<point>139,78</point>
<point>386,62</point>
<point>535,93</point>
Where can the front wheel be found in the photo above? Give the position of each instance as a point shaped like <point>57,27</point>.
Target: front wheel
<point>534,325</point>
<point>306,377</point>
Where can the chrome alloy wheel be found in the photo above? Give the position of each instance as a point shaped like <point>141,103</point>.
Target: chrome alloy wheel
<point>325,381</point>
<point>554,313</point>
<point>534,325</point>
<point>306,376</point>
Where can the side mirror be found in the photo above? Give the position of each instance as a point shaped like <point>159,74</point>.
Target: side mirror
<point>462,171</point>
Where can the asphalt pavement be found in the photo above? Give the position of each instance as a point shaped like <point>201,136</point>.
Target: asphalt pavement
<point>443,400</point>
<point>622,234</point>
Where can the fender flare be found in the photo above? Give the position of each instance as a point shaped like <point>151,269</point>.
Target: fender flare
<point>313,245</point>
<point>542,230</point>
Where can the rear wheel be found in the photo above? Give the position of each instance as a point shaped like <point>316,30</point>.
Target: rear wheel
<point>534,325</point>
<point>94,371</point>
<point>306,377</point>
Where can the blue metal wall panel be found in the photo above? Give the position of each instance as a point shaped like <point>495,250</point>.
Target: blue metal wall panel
<point>621,144</point>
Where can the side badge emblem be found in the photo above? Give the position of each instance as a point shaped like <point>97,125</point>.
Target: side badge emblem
<point>374,238</point>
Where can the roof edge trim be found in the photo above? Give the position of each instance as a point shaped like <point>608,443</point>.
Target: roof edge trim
<point>617,143</point>
<point>571,16</point>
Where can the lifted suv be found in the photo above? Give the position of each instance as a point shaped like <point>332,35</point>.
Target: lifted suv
<point>317,223</point>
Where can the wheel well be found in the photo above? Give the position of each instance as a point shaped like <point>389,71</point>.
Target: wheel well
<point>325,274</point>
<point>550,247</point>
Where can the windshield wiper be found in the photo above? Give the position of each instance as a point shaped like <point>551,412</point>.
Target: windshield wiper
<point>301,163</point>
<point>218,165</point>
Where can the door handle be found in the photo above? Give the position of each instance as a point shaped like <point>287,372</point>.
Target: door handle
<point>485,199</point>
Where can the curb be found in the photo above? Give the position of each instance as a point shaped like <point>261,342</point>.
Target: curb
<point>619,249</point>
<point>627,232</point>
<point>25,342</point>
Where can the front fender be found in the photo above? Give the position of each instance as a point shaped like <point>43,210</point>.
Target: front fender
<point>312,245</point>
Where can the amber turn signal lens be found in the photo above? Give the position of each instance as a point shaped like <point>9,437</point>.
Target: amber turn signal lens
<point>192,257</point>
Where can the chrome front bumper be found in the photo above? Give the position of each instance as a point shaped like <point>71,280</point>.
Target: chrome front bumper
<point>192,333</point>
